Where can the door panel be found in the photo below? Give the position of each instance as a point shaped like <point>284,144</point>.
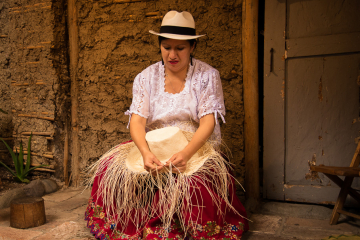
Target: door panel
<point>321,17</point>
<point>322,102</point>
<point>311,95</point>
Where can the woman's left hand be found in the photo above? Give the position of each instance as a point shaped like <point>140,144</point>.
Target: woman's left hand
<point>178,160</point>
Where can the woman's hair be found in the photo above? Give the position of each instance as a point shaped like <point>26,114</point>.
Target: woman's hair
<point>191,41</point>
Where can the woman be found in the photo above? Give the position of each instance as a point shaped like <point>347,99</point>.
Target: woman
<point>168,93</point>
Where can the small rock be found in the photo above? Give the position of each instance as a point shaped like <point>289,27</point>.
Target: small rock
<point>50,185</point>
<point>6,198</point>
<point>35,189</point>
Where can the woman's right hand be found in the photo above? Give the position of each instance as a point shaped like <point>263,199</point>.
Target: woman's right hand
<point>151,163</point>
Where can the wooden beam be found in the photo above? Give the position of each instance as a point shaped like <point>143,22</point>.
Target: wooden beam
<point>66,155</point>
<point>74,55</point>
<point>251,99</point>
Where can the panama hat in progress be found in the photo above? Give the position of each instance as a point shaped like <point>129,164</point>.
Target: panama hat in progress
<point>164,143</point>
<point>180,26</point>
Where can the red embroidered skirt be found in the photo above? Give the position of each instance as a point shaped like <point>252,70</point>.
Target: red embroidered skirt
<point>210,224</point>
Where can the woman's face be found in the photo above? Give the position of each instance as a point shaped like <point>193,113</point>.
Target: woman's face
<point>176,54</point>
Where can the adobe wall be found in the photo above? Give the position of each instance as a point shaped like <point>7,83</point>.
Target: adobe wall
<point>115,46</point>
<point>33,70</point>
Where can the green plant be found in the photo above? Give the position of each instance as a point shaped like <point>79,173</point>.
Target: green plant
<point>20,173</point>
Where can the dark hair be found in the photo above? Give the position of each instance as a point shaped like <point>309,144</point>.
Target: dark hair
<point>191,41</point>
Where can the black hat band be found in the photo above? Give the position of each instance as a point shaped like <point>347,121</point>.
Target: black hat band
<point>178,30</point>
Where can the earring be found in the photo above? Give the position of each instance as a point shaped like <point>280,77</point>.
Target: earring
<point>162,61</point>
<point>191,60</point>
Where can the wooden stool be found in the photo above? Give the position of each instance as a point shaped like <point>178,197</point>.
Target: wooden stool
<point>27,212</point>
<point>350,173</point>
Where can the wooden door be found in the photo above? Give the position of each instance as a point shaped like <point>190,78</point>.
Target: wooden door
<point>311,95</point>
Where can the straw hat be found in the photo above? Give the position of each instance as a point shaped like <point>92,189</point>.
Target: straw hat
<point>163,143</point>
<point>178,25</point>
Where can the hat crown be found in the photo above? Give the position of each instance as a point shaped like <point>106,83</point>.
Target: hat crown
<point>179,19</point>
<point>165,142</point>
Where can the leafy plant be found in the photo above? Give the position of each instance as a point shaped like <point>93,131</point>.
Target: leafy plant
<point>21,172</point>
<point>3,111</point>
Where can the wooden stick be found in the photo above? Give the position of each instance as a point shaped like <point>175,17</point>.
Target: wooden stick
<point>156,17</point>
<point>45,113</point>
<point>34,47</point>
<point>46,42</point>
<point>74,56</point>
<point>39,83</point>
<point>126,1</point>
<point>152,14</point>
<point>7,139</point>
<point>3,36</point>
<point>251,98</point>
<point>44,170</point>
<point>34,116</point>
<point>48,156</point>
<point>38,133</point>
<point>33,62</point>
<point>35,165</point>
<point>66,154</point>
<point>49,138</point>
<point>35,154</point>
<point>20,84</point>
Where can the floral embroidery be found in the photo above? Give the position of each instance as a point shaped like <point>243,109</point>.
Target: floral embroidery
<point>231,232</point>
<point>104,228</point>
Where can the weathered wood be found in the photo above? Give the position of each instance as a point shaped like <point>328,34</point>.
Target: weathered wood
<point>251,98</point>
<point>38,117</point>
<point>339,171</point>
<point>322,45</point>
<point>338,181</point>
<point>349,214</point>
<point>152,14</point>
<point>20,84</point>
<point>274,115</point>
<point>8,139</point>
<point>52,167</point>
<point>345,185</point>
<point>44,170</point>
<point>38,133</point>
<point>66,154</point>
<point>27,212</point>
<point>74,55</point>
<point>126,1</point>
<point>341,199</point>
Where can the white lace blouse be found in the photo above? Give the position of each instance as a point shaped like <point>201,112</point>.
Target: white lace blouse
<point>201,95</point>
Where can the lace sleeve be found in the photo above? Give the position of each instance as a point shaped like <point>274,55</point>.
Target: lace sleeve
<point>141,98</point>
<point>211,97</point>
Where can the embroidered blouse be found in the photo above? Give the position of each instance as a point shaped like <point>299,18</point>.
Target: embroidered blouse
<point>202,95</point>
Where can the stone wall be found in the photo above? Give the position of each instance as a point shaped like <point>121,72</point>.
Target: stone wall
<point>115,46</point>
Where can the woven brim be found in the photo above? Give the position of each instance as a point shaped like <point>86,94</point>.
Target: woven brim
<point>176,36</point>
